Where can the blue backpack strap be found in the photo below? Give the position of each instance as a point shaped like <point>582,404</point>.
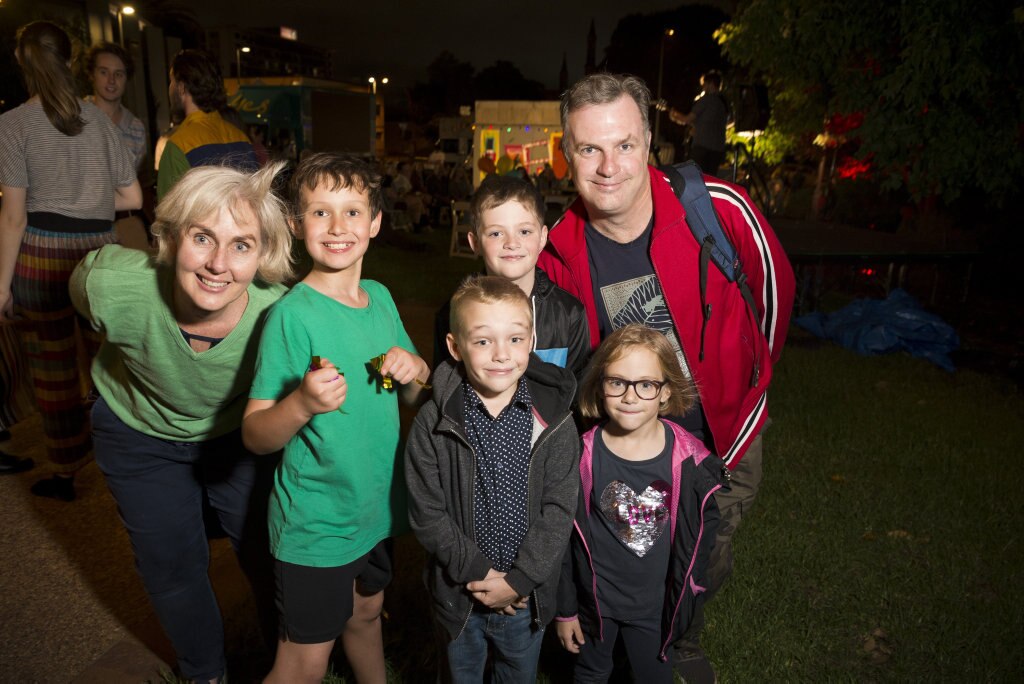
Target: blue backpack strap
<point>688,184</point>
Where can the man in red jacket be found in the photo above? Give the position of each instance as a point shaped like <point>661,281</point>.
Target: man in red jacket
<point>624,249</point>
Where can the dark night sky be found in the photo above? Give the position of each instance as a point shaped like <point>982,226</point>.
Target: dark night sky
<point>399,38</point>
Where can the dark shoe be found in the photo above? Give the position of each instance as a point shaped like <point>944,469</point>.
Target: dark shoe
<point>10,465</point>
<point>692,665</point>
<point>56,487</point>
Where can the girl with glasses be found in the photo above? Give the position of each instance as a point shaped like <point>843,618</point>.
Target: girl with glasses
<point>646,518</point>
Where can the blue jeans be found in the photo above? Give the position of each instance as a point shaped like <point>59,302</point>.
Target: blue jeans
<point>161,489</point>
<point>515,643</point>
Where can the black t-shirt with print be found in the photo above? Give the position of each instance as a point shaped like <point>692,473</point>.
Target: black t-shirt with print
<point>626,290</point>
<point>629,518</point>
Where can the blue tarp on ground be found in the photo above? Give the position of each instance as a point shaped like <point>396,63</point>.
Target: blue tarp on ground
<point>870,327</point>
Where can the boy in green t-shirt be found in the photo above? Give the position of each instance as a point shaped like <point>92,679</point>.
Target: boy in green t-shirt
<point>330,350</point>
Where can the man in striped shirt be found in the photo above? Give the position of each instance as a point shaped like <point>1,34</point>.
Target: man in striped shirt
<point>197,97</point>
<point>109,67</point>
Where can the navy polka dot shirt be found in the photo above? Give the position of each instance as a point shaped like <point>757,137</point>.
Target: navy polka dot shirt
<point>502,448</point>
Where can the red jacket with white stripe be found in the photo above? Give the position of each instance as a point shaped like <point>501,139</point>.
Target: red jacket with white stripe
<point>732,393</point>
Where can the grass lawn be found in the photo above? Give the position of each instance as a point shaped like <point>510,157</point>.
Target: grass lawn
<point>884,545</point>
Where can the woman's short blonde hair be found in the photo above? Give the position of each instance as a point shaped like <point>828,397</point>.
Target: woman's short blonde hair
<point>617,345</point>
<point>205,190</point>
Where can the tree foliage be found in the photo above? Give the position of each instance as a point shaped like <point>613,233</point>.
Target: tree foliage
<point>638,42</point>
<point>449,85</point>
<point>452,82</point>
<point>503,81</point>
<point>939,84</point>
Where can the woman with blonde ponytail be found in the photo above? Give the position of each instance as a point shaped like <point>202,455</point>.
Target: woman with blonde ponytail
<point>64,171</point>
<point>181,331</point>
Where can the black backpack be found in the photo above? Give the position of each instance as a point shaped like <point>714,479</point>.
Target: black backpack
<point>688,183</point>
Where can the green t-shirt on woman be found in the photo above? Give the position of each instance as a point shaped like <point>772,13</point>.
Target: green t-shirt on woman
<point>145,370</point>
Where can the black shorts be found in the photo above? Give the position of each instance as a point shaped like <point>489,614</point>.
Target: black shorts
<point>315,603</point>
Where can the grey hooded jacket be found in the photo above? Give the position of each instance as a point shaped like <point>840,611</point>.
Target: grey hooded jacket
<point>440,471</point>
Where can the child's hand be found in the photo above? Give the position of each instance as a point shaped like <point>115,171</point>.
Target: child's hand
<point>495,593</point>
<point>323,390</point>
<point>404,367</point>
<point>570,635</point>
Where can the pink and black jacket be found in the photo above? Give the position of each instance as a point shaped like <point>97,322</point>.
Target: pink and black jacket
<point>696,476</point>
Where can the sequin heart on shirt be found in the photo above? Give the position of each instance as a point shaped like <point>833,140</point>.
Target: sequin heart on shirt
<point>638,520</point>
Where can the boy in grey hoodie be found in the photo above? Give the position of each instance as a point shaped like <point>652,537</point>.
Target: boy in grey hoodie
<point>491,467</point>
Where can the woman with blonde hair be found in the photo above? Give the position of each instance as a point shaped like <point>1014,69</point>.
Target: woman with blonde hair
<point>173,374</point>
<point>64,171</point>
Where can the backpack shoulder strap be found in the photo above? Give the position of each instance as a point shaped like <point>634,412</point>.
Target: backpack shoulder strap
<point>688,183</point>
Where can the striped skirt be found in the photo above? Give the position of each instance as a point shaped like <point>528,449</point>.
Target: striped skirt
<point>55,339</point>
<point>15,390</point>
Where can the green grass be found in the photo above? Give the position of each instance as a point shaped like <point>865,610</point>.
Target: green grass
<point>890,507</point>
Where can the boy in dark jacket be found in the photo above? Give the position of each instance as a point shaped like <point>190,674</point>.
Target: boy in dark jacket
<point>492,471</point>
<point>507,215</point>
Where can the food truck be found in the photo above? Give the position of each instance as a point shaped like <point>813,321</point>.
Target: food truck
<point>301,113</point>
<point>511,133</point>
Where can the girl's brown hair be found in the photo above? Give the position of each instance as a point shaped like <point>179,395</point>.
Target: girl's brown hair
<point>617,345</point>
<point>44,52</point>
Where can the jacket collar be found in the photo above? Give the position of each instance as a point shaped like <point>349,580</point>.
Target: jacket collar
<point>551,389</point>
<point>567,237</point>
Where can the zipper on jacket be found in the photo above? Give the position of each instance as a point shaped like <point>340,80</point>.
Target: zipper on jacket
<point>472,513</point>
<point>689,573</point>
<point>747,297</point>
<point>593,574</point>
<point>544,436</point>
<point>705,307</point>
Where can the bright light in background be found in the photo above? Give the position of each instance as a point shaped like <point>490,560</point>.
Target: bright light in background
<point>121,13</point>
<point>238,58</point>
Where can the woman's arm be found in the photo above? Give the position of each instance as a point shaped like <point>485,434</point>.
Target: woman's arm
<point>13,220</point>
<point>127,197</point>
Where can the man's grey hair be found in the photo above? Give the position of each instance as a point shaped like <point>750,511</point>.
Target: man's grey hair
<point>598,89</point>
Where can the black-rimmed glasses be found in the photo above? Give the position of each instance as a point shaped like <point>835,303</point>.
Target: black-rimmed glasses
<point>645,389</point>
